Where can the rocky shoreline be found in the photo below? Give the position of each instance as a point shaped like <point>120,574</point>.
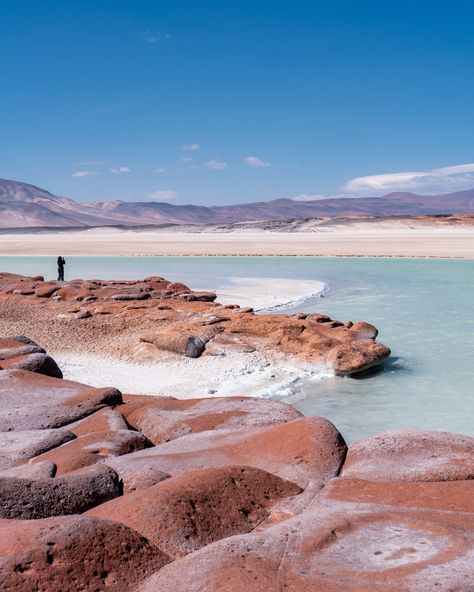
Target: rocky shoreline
<point>108,491</point>
<point>158,319</point>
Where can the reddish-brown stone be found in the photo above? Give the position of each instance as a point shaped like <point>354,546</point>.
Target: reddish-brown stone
<point>34,401</point>
<point>411,455</point>
<point>336,546</point>
<point>72,553</point>
<point>162,419</point>
<point>185,513</point>
<point>17,447</point>
<point>304,450</point>
<point>76,492</point>
<point>93,448</point>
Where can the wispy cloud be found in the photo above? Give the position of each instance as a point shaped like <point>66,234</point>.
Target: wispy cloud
<point>255,162</point>
<point>307,197</point>
<point>90,163</point>
<point>217,165</point>
<point>185,160</point>
<point>84,173</point>
<point>161,169</point>
<point>153,36</point>
<point>120,170</point>
<point>188,147</point>
<point>444,179</point>
<point>163,195</point>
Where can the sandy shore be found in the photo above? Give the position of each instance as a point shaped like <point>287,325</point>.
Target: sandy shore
<point>356,240</point>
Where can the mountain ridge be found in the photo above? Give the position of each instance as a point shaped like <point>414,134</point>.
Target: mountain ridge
<point>23,205</point>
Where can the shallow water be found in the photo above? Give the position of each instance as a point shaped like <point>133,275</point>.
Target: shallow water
<point>423,308</point>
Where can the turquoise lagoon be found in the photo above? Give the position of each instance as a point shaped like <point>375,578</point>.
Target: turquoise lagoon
<point>424,309</point>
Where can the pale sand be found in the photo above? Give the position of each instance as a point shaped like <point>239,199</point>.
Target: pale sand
<point>356,240</point>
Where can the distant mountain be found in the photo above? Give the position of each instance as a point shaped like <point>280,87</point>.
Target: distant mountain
<point>23,206</point>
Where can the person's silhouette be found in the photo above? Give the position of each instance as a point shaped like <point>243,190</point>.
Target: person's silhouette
<point>61,264</point>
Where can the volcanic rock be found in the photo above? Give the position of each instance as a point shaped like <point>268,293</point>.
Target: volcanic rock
<point>16,447</point>
<point>104,420</point>
<point>162,419</point>
<point>34,401</point>
<point>335,546</point>
<point>411,455</point>
<point>74,493</point>
<point>71,553</point>
<point>309,449</point>
<point>93,448</point>
<point>185,513</point>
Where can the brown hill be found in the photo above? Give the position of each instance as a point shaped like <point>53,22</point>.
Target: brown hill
<point>23,205</point>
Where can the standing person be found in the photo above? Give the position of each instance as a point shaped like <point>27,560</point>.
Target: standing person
<point>61,264</point>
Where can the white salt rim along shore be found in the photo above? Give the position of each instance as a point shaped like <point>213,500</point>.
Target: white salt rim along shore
<point>250,374</point>
<point>267,294</point>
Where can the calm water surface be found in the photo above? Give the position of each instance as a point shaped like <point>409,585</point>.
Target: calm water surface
<point>424,309</point>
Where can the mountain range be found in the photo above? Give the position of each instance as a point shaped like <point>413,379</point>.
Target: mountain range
<point>26,206</point>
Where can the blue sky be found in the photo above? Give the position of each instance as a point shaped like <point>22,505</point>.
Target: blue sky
<point>222,102</point>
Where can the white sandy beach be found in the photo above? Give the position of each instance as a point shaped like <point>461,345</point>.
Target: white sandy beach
<point>355,240</point>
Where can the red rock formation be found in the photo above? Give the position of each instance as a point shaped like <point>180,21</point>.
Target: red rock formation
<point>246,488</point>
<point>187,512</point>
<point>73,553</point>
<point>162,419</point>
<point>305,450</point>
<point>189,323</point>
<point>411,455</point>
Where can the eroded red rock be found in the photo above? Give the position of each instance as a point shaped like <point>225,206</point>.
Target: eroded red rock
<point>76,492</point>
<point>336,546</point>
<point>34,401</point>
<point>309,449</point>
<point>162,419</point>
<point>190,323</point>
<point>411,455</point>
<point>19,446</point>
<point>72,553</point>
<point>92,448</point>
<point>185,513</point>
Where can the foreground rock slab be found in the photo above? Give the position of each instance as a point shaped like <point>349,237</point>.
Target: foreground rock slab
<point>93,448</point>
<point>305,450</point>
<point>187,512</point>
<point>73,553</point>
<point>19,446</point>
<point>162,419</point>
<point>336,546</point>
<point>30,401</point>
<point>411,455</point>
<point>77,492</point>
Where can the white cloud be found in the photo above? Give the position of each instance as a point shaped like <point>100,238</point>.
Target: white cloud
<point>161,169</point>
<point>84,173</point>
<point>188,147</point>
<point>185,160</point>
<point>306,197</point>
<point>445,179</point>
<point>153,36</point>
<point>255,162</point>
<point>163,195</point>
<point>120,170</point>
<point>217,165</point>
